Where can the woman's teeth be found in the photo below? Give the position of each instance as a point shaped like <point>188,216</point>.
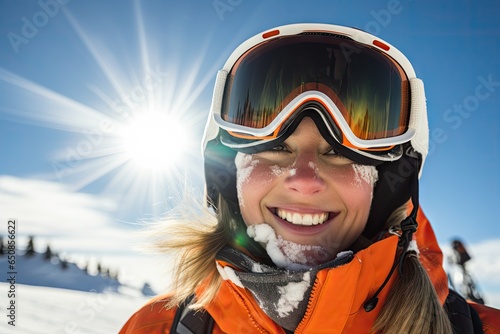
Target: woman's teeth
<point>302,219</point>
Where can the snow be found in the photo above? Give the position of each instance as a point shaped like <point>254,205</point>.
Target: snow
<point>303,254</point>
<point>343,254</point>
<point>36,270</point>
<point>227,273</point>
<point>279,171</point>
<point>285,254</point>
<point>257,268</point>
<point>265,234</point>
<point>243,173</point>
<point>291,295</point>
<point>413,247</point>
<point>313,166</point>
<point>51,299</point>
<point>368,174</point>
<point>56,311</point>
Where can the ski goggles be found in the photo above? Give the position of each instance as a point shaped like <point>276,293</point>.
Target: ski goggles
<point>360,85</point>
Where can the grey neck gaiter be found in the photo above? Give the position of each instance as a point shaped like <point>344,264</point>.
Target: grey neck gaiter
<point>282,294</point>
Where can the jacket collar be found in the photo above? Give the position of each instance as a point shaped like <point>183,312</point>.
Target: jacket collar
<point>336,294</point>
<point>281,293</point>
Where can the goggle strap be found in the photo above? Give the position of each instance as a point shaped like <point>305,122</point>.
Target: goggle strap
<point>417,100</point>
<point>212,129</point>
<point>220,82</point>
<point>418,118</point>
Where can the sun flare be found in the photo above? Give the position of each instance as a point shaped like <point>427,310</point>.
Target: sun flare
<point>154,140</point>
<point>138,138</point>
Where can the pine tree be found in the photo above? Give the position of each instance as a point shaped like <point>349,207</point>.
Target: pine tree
<point>48,254</point>
<point>105,272</point>
<point>86,268</point>
<point>64,264</point>
<point>99,268</point>
<point>30,249</point>
<point>114,275</point>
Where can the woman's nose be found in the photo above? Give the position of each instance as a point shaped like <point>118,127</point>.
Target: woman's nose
<point>304,177</point>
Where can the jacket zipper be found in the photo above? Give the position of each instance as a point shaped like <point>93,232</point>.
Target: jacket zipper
<point>309,306</point>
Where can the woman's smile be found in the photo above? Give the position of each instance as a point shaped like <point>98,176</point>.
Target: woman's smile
<point>304,219</point>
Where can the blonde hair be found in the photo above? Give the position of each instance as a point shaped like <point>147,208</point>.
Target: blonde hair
<point>411,307</point>
<point>194,237</point>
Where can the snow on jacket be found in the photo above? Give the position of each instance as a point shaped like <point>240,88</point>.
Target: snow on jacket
<point>336,301</point>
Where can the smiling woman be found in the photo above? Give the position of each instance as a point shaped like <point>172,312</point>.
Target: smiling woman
<point>153,140</point>
<point>306,230</point>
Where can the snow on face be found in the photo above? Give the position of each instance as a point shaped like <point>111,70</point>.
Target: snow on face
<point>364,173</point>
<point>245,166</point>
<point>286,254</point>
<point>279,171</point>
<point>303,254</point>
<point>291,295</point>
<point>243,173</point>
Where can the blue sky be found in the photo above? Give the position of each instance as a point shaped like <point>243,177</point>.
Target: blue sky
<point>72,72</point>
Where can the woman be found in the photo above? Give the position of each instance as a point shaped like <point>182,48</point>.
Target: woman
<point>316,138</point>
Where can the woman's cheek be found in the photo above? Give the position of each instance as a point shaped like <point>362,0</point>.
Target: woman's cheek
<point>365,178</point>
<point>353,182</point>
<point>253,177</point>
<point>362,180</point>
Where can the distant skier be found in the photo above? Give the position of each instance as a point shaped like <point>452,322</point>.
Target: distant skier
<point>467,286</point>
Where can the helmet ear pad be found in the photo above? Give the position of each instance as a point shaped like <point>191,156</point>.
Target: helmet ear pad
<point>396,180</point>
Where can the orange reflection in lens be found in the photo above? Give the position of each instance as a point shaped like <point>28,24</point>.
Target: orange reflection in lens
<point>276,132</point>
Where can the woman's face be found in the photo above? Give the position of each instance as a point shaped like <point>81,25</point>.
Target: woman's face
<point>307,193</point>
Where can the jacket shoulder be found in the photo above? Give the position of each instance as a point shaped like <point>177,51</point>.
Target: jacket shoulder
<point>152,318</point>
<point>489,316</point>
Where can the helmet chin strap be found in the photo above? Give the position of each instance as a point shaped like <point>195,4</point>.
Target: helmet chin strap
<point>408,227</point>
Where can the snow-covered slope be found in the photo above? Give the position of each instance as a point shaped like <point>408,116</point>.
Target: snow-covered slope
<point>35,270</point>
<point>50,298</point>
<point>39,271</point>
<point>43,310</point>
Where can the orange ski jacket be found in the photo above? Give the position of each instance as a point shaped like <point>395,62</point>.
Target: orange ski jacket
<point>336,301</point>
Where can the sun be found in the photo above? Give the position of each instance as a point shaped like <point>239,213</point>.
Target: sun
<point>154,141</point>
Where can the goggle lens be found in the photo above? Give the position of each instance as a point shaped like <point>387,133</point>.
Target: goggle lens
<point>369,88</point>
